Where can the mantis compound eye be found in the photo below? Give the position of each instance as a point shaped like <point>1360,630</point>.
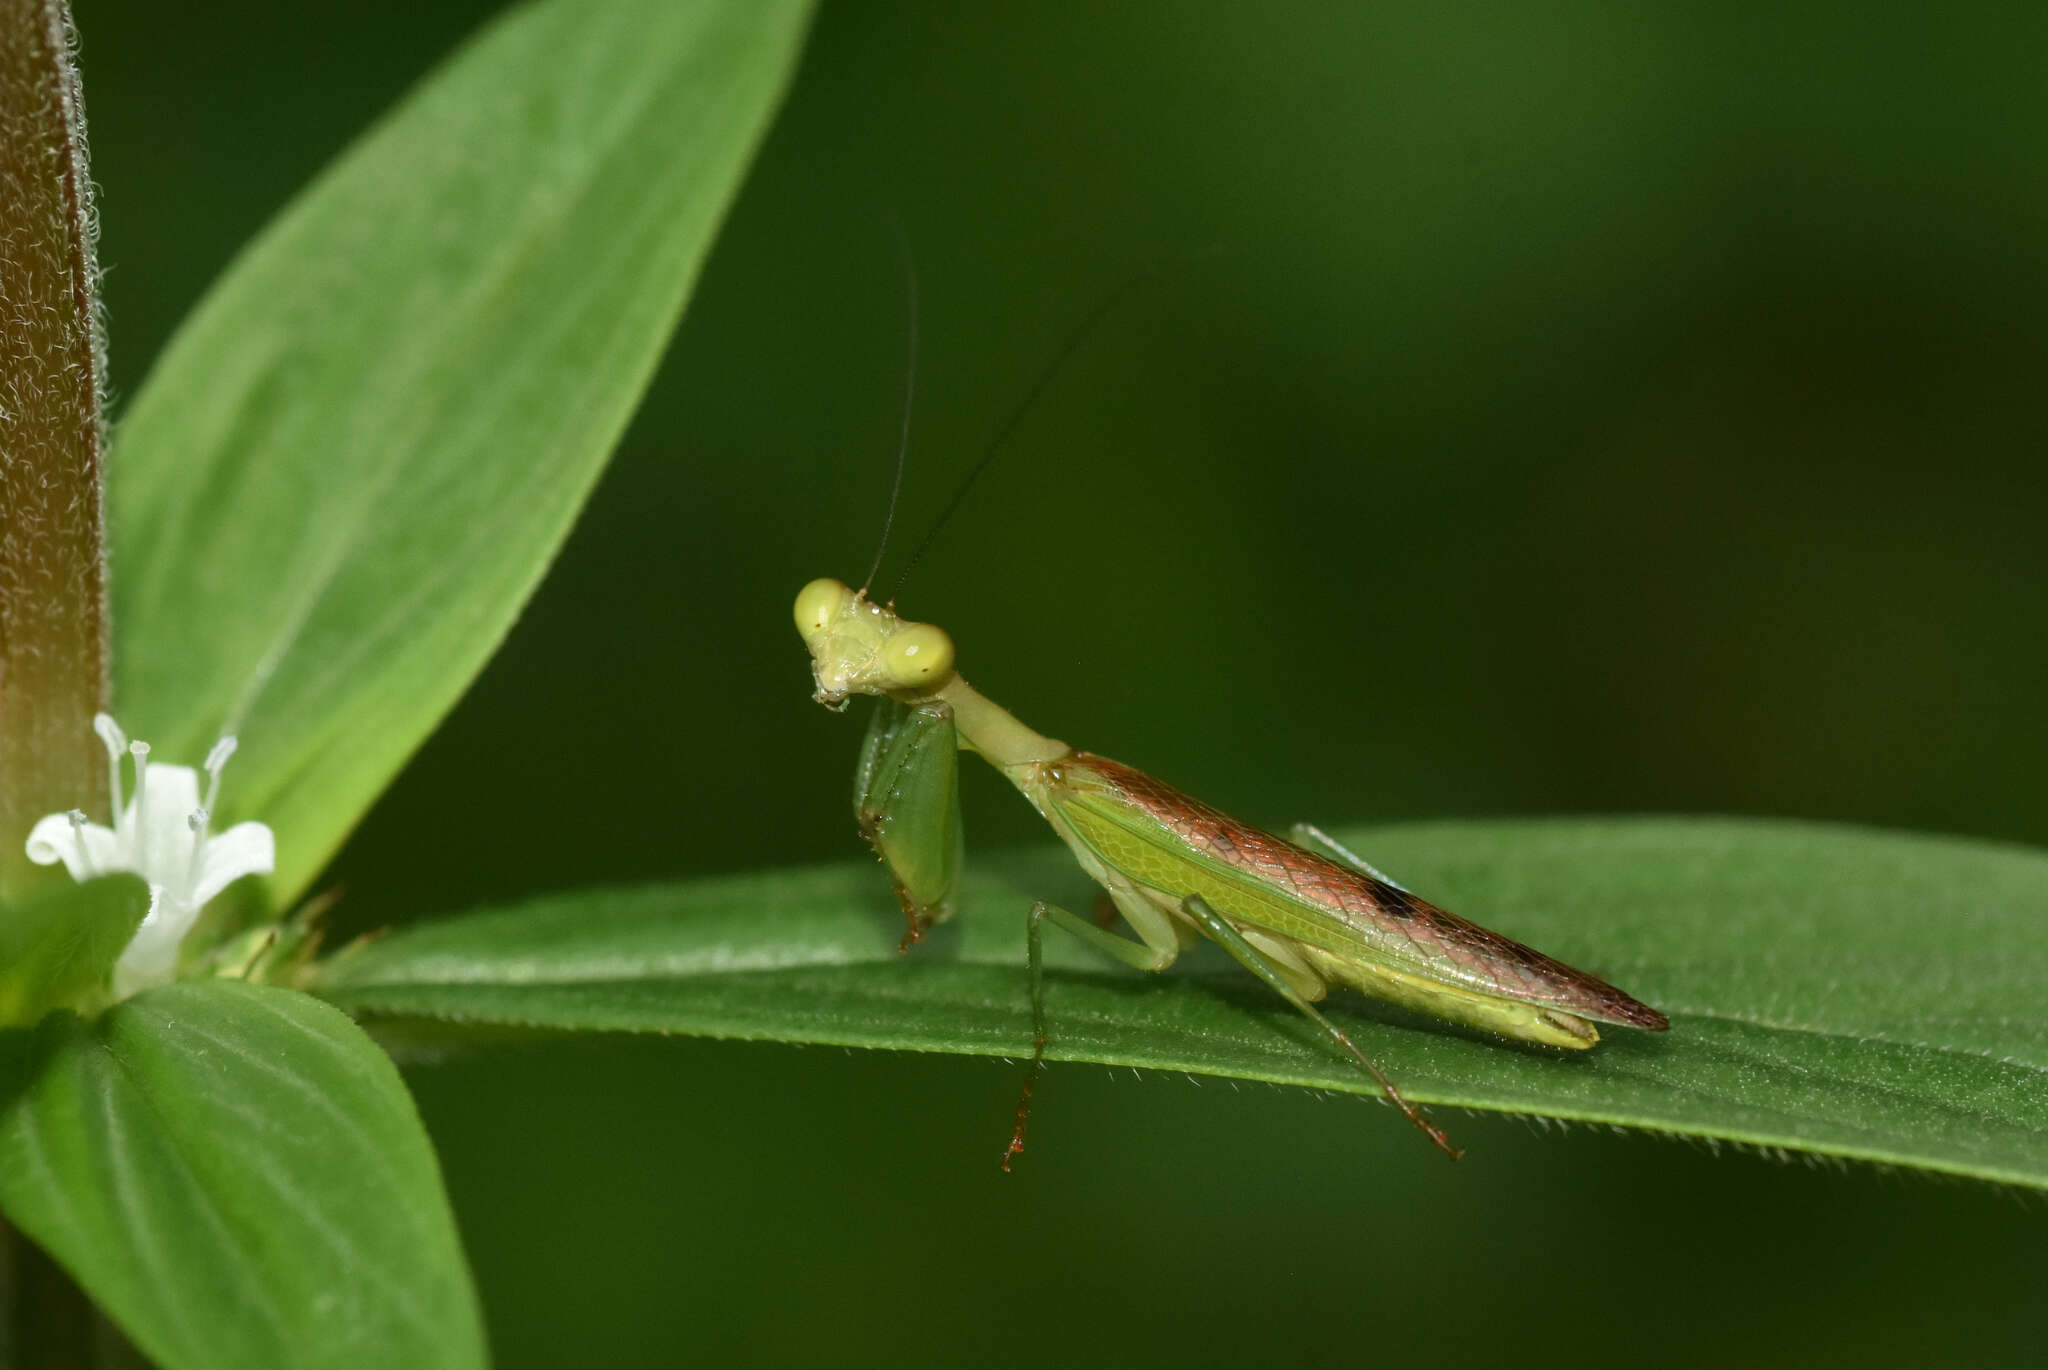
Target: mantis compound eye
<point>819,603</point>
<point>919,657</point>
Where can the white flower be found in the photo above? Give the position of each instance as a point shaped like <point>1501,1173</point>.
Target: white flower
<point>161,835</point>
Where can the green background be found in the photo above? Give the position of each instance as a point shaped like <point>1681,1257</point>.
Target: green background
<point>1525,410</point>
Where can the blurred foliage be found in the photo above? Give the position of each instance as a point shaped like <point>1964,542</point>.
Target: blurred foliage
<point>1572,409</point>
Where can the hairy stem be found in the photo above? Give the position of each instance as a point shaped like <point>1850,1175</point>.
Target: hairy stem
<point>53,615</point>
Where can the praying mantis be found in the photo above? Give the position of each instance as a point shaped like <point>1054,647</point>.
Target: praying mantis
<point>1302,915</point>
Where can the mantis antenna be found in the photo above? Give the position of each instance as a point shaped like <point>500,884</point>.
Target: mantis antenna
<point>1008,430</point>
<point>909,397</point>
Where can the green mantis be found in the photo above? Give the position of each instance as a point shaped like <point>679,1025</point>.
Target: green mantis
<point>1302,915</point>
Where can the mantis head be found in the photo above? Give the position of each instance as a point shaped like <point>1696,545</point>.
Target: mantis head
<point>859,647</point>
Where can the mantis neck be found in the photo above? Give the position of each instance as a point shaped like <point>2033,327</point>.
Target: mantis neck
<point>989,728</point>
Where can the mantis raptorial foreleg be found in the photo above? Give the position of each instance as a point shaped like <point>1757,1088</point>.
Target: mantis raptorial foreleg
<point>906,797</point>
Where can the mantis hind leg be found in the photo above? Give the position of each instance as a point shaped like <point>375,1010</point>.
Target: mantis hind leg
<point>1313,838</point>
<point>1233,941</point>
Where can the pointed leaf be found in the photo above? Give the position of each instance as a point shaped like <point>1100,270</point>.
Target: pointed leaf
<point>355,459</point>
<point>1872,995</point>
<point>57,946</point>
<point>238,1176</point>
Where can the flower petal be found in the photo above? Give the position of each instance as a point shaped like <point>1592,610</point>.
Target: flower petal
<point>151,957</point>
<point>163,845</point>
<point>53,839</point>
<point>245,849</point>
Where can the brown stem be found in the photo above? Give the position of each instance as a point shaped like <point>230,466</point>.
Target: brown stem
<point>53,596</point>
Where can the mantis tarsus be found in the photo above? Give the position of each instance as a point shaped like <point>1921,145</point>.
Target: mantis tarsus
<point>1302,915</point>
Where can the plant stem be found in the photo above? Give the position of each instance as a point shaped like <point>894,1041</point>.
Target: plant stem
<point>53,615</point>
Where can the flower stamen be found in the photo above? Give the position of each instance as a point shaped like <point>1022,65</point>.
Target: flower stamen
<point>117,747</point>
<point>140,823</point>
<point>85,862</point>
<point>197,822</point>
<point>216,762</point>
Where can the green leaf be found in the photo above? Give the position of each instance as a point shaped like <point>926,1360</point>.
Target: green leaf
<point>238,1176</point>
<point>356,457</point>
<point>1864,994</point>
<point>57,945</point>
